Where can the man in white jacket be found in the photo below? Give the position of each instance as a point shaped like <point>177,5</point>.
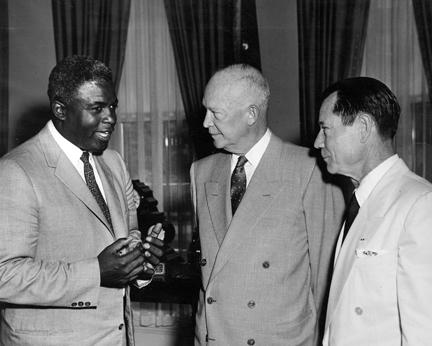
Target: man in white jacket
<point>380,291</point>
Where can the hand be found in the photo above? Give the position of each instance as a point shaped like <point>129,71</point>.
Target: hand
<point>118,270</point>
<point>153,245</point>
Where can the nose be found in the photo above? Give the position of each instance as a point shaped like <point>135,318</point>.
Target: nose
<point>319,142</point>
<point>208,120</point>
<point>110,115</point>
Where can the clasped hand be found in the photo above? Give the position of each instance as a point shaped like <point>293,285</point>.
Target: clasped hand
<point>118,267</point>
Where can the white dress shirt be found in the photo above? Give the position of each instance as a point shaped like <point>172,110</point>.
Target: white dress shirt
<point>253,156</point>
<point>73,153</point>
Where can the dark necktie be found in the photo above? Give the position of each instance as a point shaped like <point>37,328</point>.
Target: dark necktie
<point>238,183</point>
<point>93,186</point>
<point>351,213</point>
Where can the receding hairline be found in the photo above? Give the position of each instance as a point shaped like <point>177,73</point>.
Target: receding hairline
<point>246,76</point>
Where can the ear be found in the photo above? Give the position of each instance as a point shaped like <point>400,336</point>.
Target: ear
<point>59,110</point>
<point>366,124</point>
<point>253,114</point>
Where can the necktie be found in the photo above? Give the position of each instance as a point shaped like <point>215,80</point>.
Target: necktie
<point>93,186</point>
<point>351,213</point>
<point>238,183</point>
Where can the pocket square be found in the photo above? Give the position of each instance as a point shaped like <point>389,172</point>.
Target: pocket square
<point>368,253</point>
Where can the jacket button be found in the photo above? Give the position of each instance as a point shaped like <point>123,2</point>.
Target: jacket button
<point>358,310</point>
<point>266,264</point>
<point>211,300</point>
<point>87,303</point>
<point>203,262</point>
<point>80,303</point>
<point>251,304</point>
<point>74,304</point>
<point>251,342</point>
<point>121,326</point>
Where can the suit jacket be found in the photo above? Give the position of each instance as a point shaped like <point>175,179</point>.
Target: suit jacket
<point>51,231</point>
<point>264,281</point>
<point>382,282</point>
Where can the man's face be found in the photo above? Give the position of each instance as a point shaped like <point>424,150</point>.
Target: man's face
<point>90,117</point>
<point>227,116</point>
<point>340,144</point>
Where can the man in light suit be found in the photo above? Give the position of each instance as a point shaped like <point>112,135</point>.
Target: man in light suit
<point>65,261</point>
<point>264,265</point>
<point>381,288</point>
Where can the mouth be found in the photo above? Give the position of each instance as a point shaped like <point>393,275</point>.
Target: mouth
<point>103,136</point>
<point>325,157</point>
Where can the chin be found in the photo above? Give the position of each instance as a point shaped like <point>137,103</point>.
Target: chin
<point>331,169</point>
<point>99,148</point>
<point>218,145</point>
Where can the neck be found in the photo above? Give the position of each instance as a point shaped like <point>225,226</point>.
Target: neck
<point>374,157</point>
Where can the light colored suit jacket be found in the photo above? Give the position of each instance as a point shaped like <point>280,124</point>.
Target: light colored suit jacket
<point>382,282</point>
<point>51,231</point>
<point>264,281</point>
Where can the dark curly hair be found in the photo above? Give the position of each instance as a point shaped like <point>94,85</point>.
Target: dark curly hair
<point>70,73</point>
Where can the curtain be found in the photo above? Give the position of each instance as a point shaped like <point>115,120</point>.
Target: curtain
<point>4,77</point>
<point>423,19</point>
<point>331,41</point>
<point>152,136</point>
<point>151,122</point>
<point>97,28</point>
<point>392,55</point>
<point>208,35</point>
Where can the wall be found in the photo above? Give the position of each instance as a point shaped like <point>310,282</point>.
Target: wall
<point>31,57</point>
<point>277,23</point>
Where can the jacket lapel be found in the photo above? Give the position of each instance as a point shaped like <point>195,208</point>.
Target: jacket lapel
<point>369,218</point>
<point>112,200</point>
<point>216,190</point>
<point>68,175</point>
<point>262,189</point>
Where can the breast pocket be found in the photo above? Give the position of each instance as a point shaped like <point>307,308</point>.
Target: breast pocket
<point>376,269</point>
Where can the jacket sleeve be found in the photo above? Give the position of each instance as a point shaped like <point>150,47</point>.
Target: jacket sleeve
<point>323,206</point>
<point>23,279</point>
<point>414,274</point>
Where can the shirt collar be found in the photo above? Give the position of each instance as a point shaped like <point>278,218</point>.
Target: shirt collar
<point>71,150</point>
<point>255,153</point>
<point>368,183</point>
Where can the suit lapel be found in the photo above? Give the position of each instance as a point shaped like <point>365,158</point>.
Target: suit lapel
<point>216,191</point>
<point>112,200</point>
<point>262,189</point>
<point>68,175</point>
<point>366,223</point>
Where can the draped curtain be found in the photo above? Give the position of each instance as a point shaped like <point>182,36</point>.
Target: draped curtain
<point>423,19</point>
<point>4,77</point>
<point>152,136</point>
<point>96,28</point>
<point>331,41</point>
<point>208,35</point>
<point>392,55</point>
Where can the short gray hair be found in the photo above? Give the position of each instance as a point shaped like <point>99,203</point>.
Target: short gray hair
<point>253,79</point>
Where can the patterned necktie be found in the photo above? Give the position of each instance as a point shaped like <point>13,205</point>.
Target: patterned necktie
<point>238,183</point>
<point>93,186</point>
<point>351,214</point>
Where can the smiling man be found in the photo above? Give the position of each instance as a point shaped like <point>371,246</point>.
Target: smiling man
<point>66,210</point>
<point>267,223</point>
